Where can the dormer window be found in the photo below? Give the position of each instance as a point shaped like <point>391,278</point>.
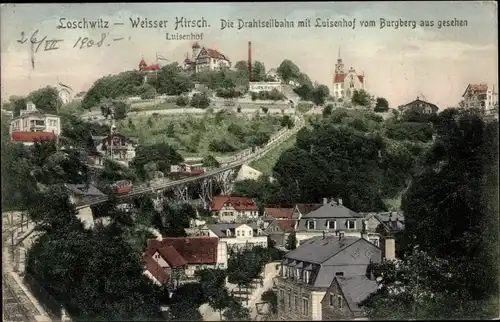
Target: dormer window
<point>311,224</point>
<point>331,224</point>
<point>307,276</point>
<point>228,232</point>
<point>351,224</point>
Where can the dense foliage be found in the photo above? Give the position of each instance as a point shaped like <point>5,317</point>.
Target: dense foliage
<point>45,99</point>
<point>451,216</point>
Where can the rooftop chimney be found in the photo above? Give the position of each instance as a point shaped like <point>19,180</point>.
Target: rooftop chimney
<point>324,235</point>
<point>340,201</point>
<point>325,201</point>
<point>390,248</point>
<point>250,61</point>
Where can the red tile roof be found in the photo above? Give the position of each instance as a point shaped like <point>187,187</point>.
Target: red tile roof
<point>215,54</point>
<point>155,269</point>
<point>481,88</point>
<point>32,136</point>
<point>238,203</point>
<point>279,212</point>
<point>152,67</point>
<point>287,226</point>
<point>339,78</point>
<point>172,257</point>
<point>194,250</point>
<point>306,208</point>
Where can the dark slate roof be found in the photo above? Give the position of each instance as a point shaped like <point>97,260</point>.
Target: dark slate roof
<point>317,250</point>
<point>332,210</point>
<point>356,289</point>
<point>220,229</point>
<point>393,220</point>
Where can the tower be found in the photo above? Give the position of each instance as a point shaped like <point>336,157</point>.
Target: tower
<point>196,50</point>
<point>339,66</point>
<point>142,64</point>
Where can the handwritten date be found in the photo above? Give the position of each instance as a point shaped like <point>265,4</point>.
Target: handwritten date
<point>37,42</point>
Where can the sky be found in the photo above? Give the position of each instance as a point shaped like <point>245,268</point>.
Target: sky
<point>399,64</point>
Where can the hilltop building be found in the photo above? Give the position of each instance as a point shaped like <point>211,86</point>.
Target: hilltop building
<point>203,59</point>
<point>481,97</point>
<point>345,83</point>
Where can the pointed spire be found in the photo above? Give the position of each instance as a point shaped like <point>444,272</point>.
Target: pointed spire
<point>339,53</point>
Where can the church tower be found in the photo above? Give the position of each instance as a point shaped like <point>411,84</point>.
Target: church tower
<point>339,66</point>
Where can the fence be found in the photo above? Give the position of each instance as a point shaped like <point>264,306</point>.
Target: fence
<point>49,303</point>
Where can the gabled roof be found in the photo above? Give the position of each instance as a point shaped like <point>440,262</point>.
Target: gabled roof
<point>476,88</point>
<point>332,210</point>
<point>356,289</point>
<point>419,101</point>
<point>286,226</point>
<point>195,250</point>
<point>279,212</point>
<point>171,256</point>
<point>213,53</point>
<point>317,250</point>
<point>238,203</point>
<point>305,208</point>
<point>340,78</point>
<point>32,136</point>
<point>155,269</point>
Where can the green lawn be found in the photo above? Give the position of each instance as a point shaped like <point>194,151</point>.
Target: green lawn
<point>266,163</point>
<point>191,135</point>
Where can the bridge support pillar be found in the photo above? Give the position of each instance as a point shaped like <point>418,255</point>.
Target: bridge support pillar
<point>182,193</point>
<point>207,192</point>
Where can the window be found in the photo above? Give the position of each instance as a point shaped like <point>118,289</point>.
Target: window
<point>296,301</point>
<point>339,301</point>
<point>221,265</point>
<point>331,224</point>
<point>289,299</point>
<point>282,297</point>
<point>339,273</point>
<point>331,300</point>
<point>238,232</point>
<point>305,306</point>
<point>297,273</point>
<point>307,276</point>
<point>311,224</point>
<point>52,123</point>
<point>243,233</point>
<point>351,224</point>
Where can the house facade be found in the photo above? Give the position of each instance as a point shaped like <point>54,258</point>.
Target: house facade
<point>333,218</point>
<point>230,209</point>
<point>309,275</point>
<point>116,147</point>
<point>172,261</point>
<point>32,125</point>
<point>482,97</point>
<point>279,230</point>
<point>390,222</point>
<point>236,236</point>
<point>421,107</point>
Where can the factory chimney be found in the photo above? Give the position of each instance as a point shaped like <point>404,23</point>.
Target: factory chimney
<point>250,61</point>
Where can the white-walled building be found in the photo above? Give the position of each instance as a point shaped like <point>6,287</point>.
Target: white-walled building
<point>116,147</point>
<point>481,97</point>
<point>236,236</point>
<point>345,83</point>
<point>257,87</point>
<point>230,209</point>
<point>65,93</point>
<point>32,125</point>
<point>247,173</point>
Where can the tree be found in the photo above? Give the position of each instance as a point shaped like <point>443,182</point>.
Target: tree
<point>221,145</point>
<point>361,98</point>
<point>213,282</point>
<point>319,94</point>
<point>46,99</point>
<point>200,101</point>
<point>264,109</point>
<point>258,71</point>
<point>288,71</point>
<point>327,110</point>
<point>210,162</point>
<point>236,312</point>
<point>182,101</point>
<point>291,241</point>
<point>271,297</point>
<point>382,105</point>
<point>287,121</point>
<point>162,154</point>
<point>171,82</point>
<point>147,91</point>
